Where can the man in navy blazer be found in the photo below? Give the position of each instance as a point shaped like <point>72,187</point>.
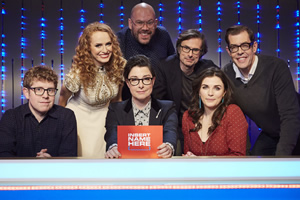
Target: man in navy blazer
<point>177,72</point>
<point>141,109</point>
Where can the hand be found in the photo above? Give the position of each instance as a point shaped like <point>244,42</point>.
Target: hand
<point>43,154</point>
<point>113,153</point>
<point>164,151</point>
<point>189,154</point>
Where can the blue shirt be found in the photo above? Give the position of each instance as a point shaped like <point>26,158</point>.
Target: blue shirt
<point>23,136</point>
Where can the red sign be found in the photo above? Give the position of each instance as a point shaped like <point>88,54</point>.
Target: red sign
<point>139,141</point>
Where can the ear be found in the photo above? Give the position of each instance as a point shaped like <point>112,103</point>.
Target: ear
<point>129,23</point>
<point>26,92</point>
<point>127,83</point>
<point>156,22</point>
<point>254,47</point>
<point>153,80</point>
<point>227,49</point>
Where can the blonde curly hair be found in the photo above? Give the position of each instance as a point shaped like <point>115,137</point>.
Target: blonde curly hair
<point>83,60</point>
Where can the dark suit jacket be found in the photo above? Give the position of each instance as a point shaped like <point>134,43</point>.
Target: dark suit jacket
<point>161,113</point>
<point>168,79</point>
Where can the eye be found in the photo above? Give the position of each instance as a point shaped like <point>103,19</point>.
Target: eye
<point>108,44</point>
<point>39,89</point>
<point>98,45</point>
<point>204,86</point>
<point>147,79</point>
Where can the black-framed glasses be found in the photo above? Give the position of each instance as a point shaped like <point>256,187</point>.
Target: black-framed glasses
<point>244,46</point>
<point>40,91</point>
<point>141,24</point>
<point>136,81</point>
<point>187,49</point>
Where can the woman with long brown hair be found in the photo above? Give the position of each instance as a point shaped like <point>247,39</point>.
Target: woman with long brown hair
<point>213,125</point>
<point>94,80</point>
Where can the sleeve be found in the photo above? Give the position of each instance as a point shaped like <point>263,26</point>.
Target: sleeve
<point>288,108</point>
<point>170,124</point>
<point>111,125</point>
<point>236,132</point>
<point>160,85</point>
<point>68,145</point>
<point>8,135</point>
<point>72,81</point>
<point>186,131</point>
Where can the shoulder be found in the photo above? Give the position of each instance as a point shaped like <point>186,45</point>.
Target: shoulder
<point>273,61</point>
<point>161,29</point>
<point>164,103</point>
<point>62,112</point>
<point>118,105</point>
<point>233,111</point>
<point>122,31</point>
<point>169,61</point>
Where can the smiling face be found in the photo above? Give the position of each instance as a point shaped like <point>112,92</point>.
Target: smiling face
<point>141,93</point>
<point>242,59</point>
<point>188,60</point>
<point>142,33</point>
<point>39,105</point>
<point>101,48</point>
<point>211,92</point>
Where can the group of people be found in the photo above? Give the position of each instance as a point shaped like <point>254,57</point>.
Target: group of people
<point>201,107</point>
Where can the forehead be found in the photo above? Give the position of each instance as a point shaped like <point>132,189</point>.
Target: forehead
<point>42,83</point>
<point>239,38</point>
<point>192,43</point>
<point>139,71</point>
<point>214,80</point>
<point>99,36</point>
<point>143,14</point>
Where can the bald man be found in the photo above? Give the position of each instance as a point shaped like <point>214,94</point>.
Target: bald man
<point>143,36</point>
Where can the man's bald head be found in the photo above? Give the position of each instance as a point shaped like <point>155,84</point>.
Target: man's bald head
<point>142,7</point>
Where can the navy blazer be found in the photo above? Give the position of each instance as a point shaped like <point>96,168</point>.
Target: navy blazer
<point>162,113</point>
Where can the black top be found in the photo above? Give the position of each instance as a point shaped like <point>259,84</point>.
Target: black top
<point>23,136</point>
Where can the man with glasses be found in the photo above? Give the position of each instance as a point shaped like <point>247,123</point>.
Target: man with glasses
<point>177,72</point>
<point>264,89</point>
<point>38,128</point>
<point>143,36</point>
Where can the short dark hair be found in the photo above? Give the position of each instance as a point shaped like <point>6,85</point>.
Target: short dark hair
<point>138,61</point>
<point>40,73</point>
<point>237,29</point>
<point>189,34</point>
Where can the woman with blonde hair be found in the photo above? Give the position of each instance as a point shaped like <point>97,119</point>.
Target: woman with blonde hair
<point>94,80</point>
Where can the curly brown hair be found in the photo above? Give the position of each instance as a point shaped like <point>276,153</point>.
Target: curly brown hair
<point>195,112</point>
<point>40,73</point>
<point>83,60</point>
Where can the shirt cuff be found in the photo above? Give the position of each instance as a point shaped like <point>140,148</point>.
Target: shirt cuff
<point>173,150</point>
<point>111,146</point>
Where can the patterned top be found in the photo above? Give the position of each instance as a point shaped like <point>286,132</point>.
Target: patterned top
<point>141,117</point>
<point>99,96</point>
<point>228,139</point>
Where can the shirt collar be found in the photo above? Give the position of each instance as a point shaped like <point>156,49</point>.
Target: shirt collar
<point>52,112</point>
<point>239,75</point>
<point>145,110</point>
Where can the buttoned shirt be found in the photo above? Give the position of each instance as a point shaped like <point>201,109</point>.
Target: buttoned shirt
<point>141,117</point>
<point>23,136</point>
<point>239,75</point>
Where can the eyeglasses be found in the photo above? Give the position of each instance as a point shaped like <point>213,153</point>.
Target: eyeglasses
<point>187,49</point>
<point>40,91</point>
<point>244,46</point>
<point>141,24</point>
<point>136,81</point>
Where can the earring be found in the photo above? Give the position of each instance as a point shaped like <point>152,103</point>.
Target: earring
<point>199,102</point>
<point>222,100</point>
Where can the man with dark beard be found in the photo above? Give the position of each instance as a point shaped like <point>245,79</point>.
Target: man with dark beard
<point>143,36</point>
<point>176,73</point>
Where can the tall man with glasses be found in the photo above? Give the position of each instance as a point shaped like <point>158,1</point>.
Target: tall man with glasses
<point>177,72</point>
<point>143,36</point>
<point>38,128</point>
<point>264,89</point>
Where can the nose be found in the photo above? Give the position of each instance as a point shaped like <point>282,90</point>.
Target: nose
<point>45,95</point>
<point>191,53</point>
<point>240,51</point>
<point>141,85</point>
<point>210,92</point>
<point>104,49</point>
